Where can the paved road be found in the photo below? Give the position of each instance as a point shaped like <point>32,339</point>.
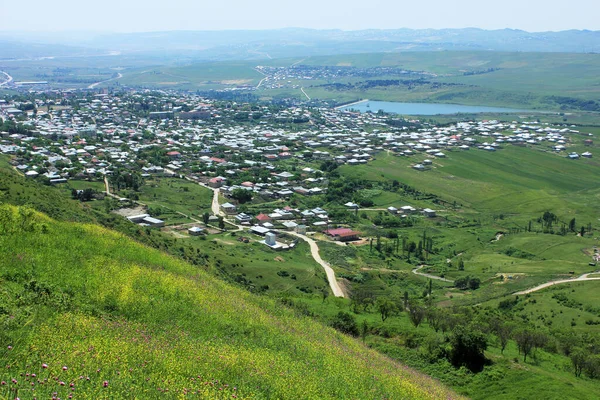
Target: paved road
<point>314,250</point>
<point>584,277</point>
<point>93,85</point>
<point>439,278</point>
<point>8,80</point>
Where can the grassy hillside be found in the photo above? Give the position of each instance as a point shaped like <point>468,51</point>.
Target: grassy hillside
<point>94,314</point>
<point>489,182</point>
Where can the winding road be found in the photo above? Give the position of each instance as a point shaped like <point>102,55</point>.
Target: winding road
<point>314,251</point>
<point>582,278</point>
<point>8,80</point>
<point>439,278</point>
<point>93,85</point>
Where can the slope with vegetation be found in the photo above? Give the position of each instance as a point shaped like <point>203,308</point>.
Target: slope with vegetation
<point>87,311</point>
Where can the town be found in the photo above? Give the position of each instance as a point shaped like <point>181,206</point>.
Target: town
<point>267,167</point>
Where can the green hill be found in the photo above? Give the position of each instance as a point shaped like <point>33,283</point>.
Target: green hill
<point>89,312</point>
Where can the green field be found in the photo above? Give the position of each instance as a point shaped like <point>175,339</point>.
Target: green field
<point>205,76</point>
<point>492,182</point>
<point>176,195</point>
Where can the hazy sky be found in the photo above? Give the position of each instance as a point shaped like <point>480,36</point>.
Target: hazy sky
<point>155,15</point>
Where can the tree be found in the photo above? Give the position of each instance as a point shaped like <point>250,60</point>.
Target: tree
<point>385,308</point>
<point>468,346</point>
<point>345,323</point>
<point>525,342</point>
<point>416,314</point>
<point>572,225</point>
<point>325,293</point>
<point>221,223</point>
<point>461,265</point>
<point>435,318</point>
<point>205,218</point>
<point>579,360</point>
<point>474,283</point>
<point>502,330</point>
<point>241,195</point>
<point>364,330</point>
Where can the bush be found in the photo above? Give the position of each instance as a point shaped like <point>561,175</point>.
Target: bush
<point>345,323</point>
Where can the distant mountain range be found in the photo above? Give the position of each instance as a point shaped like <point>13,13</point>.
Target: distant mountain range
<point>293,42</point>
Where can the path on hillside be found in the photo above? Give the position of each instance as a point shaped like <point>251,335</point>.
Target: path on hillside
<point>439,278</point>
<point>314,250</point>
<point>93,85</point>
<point>8,80</point>
<point>582,278</point>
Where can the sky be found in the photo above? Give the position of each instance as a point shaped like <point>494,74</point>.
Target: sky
<point>155,15</point>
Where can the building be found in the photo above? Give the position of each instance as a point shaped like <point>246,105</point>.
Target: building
<point>270,239</point>
<point>428,212</point>
<point>259,230</point>
<point>243,218</point>
<point>342,234</point>
<point>228,208</point>
<point>216,182</point>
<point>195,231</point>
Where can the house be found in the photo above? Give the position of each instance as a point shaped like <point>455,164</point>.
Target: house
<point>587,154</point>
<point>351,205</point>
<point>228,208</point>
<point>262,218</point>
<point>195,231</point>
<point>407,210</point>
<point>259,230</point>
<point>301,229</point>
<point>174,155</point>
<point>289,225</point>
<point>216,182</point>
<point>419,167</point>
<point>392,210</point>
<point>153,222</point>
<point>243,218</point>
<point>428,212</point>
<point>137,218</point>
<point>342,234</point>
<point>284,176</point>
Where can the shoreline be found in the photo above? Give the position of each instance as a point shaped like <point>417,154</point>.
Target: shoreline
<point>351,104</point>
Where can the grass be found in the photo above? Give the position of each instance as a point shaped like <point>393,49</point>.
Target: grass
<point>162,328</point>
<point>259,268</point>
<point>177,195</point>
<point>204,76</point>
<point>488,182</point>
<point>569,307</point>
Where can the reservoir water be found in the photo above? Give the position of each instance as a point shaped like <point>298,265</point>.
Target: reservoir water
<point>422,108</point>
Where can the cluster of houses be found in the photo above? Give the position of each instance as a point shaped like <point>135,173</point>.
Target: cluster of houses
<point>91,135</point>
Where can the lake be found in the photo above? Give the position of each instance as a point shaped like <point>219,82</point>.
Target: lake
<point>423,108</point>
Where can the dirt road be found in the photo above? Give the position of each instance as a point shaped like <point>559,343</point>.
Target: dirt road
<point>314,250</point>
<point>584,277</point>
<point>439,278</point>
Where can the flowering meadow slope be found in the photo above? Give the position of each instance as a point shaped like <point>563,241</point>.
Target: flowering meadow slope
<point>87,313</point>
